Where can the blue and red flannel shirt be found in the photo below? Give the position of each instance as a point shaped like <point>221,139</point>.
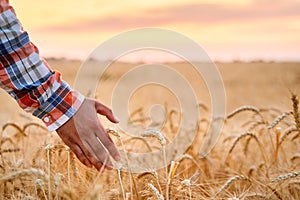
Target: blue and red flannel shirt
<point>28,78</point>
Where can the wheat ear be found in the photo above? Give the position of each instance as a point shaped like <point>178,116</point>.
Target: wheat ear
<point>286,133</point>
<point>187,183</point>
<point>286,176</point>
<point>156,192</point>
<point>296,110</point>
<point>230,181</point>
<point>243,108</point>
<point>279,119</point>
<point>34,124</point>
<point>245,135</point>
<point>41,184</point>
<point>157,134</point>
<point>24,172</point>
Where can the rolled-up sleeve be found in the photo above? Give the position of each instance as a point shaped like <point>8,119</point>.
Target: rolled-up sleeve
<point>29,79</point>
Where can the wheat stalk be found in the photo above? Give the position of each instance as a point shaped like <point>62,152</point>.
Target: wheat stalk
<point>94,187</point>
<point>69,164</point>
<point>256,124</point>
<point>141,139</point>
<point>41,184</point>
<point>203,106</point>
<point>295,157</point>
<point>117,134</point>
<point>57,181</point>
<point>170,117</point>
<point>247,145</point>
<point>256,195</point>
<point>127,196</point>
<point>137,111</point>
<point>274,192</point>
<point>154,174</point>
<point>48,150</point>
<point>73,164</point>
<point>156,192</point>
<point>172,172</point>
<point>157,134</point>
<point>141,118</point>
<point>278,134</point>
<point>189,157</point>
<point>187,183</point>
<point>95,194</point>
<point>36,155</point>
<point>119,166</point>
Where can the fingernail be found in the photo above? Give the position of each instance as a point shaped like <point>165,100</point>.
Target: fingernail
<point>117,119</point>
<point>117,158</point>
<point>109,167</point>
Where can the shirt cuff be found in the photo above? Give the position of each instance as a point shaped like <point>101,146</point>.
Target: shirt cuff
<point>60,107</point>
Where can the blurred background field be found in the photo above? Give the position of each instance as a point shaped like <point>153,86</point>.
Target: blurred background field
<point>256,156</point>
<point>261,84</point>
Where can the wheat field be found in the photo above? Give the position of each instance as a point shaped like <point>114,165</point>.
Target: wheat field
<point>257,155</point>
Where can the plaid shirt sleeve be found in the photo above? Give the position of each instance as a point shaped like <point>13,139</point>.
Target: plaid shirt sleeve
<point>29,79</point>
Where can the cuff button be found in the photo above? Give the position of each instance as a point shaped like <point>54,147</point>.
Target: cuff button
<point>46,119</point>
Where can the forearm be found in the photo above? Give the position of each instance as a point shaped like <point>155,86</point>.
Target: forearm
<point>29,79</point>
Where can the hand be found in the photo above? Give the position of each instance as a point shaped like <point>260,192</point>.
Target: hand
<point>82,131</point>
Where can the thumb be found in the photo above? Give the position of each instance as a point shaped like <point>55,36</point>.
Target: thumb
<point>107,112</point>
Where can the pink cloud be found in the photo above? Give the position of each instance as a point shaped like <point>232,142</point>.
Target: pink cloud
<point>198,14</point>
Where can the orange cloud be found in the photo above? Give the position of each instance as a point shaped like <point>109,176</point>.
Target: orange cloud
<point>200,14</point>
<point>260,29</point>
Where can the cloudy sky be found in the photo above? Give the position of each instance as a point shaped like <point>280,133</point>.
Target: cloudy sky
<point>226,29</point>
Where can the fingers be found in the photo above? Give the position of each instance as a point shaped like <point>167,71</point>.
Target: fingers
<point>72,142</point>
<point>97,154</point>
<point>101,132</point>
<point>84,152</point>
<point>87,138</point>
<point>103,110</point>
<point>81,156</point>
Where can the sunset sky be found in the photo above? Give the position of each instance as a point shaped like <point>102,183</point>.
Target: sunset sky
<point>226,29</point>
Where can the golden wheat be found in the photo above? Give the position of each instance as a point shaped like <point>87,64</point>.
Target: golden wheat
<point>33,176</point>
<point>156,192</point>
<point>296,110</point>
<point>243,108</point>
<point>229,182</point>
<point>25,172</point>
<point>279,119</point>
<point>286,176</point>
